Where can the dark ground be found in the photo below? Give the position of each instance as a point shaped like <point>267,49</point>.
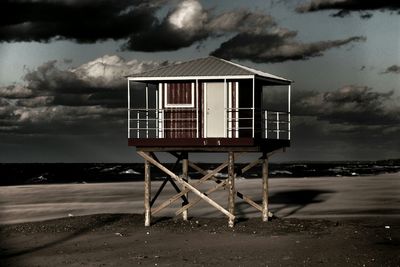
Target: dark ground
<point>121,240</point>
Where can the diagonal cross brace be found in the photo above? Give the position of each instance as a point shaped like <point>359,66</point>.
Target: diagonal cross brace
<point>194,202</point>
<point>177,196</point>
<point>240,195</point>
<point>189,186</point>
<point>168,179</point>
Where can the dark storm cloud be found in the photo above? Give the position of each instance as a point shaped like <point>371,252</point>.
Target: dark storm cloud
<point>392,69</point>
<point>350,105</point>
<point>189,23</point>
<point>344,7</point>
<point>135,21</point>
<point>90,98</point>
<point>352,122</point>
<point>180,28</point>
<point>139,23</point>
<point>83,21</point>
<point>276,47</point>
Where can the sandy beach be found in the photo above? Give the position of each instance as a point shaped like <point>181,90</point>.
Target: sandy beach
<point>331,221</point>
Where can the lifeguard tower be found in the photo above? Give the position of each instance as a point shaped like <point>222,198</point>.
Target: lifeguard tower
<point>205,105</point>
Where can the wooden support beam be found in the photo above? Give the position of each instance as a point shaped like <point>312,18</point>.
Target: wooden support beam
<point>164,182</point>
<point>160,189</point>
<point>168,179</point>
<point>265,188</point>
<point>147,193</point>
<point>249,201</point>
<point>231,187</point>
<point>185,177</point>
<point>251,165</point>
<point>197,200</point>
<point>239,194</point>
<point>197,168</point>
<point>283,149</point>
<point>178,190</point>
<point>189,186</point>
<point>177,196</point>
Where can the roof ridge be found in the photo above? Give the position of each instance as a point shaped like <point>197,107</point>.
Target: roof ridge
<point>173,65</point>
<point>206,66</point>
<point>252,70</point>
<point>237,65</point>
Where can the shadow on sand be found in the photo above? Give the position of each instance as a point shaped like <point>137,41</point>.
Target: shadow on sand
<point>298,199</point>
<point>101,221</point>
<point>295,200</point>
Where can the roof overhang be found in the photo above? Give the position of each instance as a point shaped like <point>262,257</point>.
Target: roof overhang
<point>228,77</point>
<point>275,81</point>
<point>144,79</point>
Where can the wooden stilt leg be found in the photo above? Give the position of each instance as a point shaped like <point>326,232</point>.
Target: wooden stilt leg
<point>189,187</point>
<point>147,193</point>
<point>265,188</point>
<point>185,167</point>
<point>231,187</point>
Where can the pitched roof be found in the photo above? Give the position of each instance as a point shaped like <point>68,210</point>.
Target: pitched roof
<point>209,66</point>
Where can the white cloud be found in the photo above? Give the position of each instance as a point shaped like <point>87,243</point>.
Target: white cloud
<point>110,70</point>
<point>15,91</point>
<point>188,16</point>
<point>89,97</point>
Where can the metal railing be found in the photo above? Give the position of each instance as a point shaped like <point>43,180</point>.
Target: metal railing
<point>267,124</point>
<point>240,122</point>
<point>276,125</point>
<point>156,123</point>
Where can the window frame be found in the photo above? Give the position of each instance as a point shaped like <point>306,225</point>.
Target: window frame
<point>168,105</point>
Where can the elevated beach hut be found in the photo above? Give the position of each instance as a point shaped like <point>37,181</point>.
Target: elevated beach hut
<point>205,105</point>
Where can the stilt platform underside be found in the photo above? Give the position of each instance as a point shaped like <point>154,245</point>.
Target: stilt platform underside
<point>184,185</point>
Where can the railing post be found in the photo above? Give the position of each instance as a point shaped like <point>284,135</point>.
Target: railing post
<point>266,123</point>
<point>159,118</point>
<point>197,109</point>
<point>147,110</point>
<point>156,121</point>
<point>147,123</point>
<point>162,123</point>
<point>289,99</point>
<point>288,126</point>
<point>253,107</point>
<point>277,125</point>
<point>138,124</point>
<point>129,110</point>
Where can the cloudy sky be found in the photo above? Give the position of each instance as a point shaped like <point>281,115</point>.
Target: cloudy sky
<point>62,63</point>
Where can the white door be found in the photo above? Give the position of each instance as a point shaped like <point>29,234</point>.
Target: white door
<point>215,103</point>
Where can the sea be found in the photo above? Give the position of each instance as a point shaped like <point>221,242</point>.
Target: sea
<point>57,173</point>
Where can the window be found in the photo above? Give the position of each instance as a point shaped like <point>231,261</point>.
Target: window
<point>179,94</point>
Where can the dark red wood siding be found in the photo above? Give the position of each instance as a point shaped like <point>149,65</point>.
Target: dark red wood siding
<point>179,93</point>
<point>179,122</point>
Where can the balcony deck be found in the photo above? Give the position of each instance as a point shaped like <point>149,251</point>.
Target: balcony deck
<point>208,144</point>
<point>150,129</point>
